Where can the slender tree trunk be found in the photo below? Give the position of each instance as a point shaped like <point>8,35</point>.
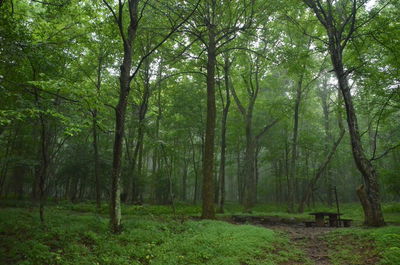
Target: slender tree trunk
<point>115,200</point>
<point>96,160</point>
<point>195,169</point>
<point>325,95</point>
<point>96,138</point>
<point>156,149</point>
<point>4,169</point>
<point>120,112</point>
<point>44,163</point>
<point>293,159</point>
<point>138,183</point>
<point>368,193</point>
<point>249,170</point>
<point>184,180</point>
<point>208,163</point>
<point>240,183</point>
<point>223,137</point>
<point>287,171</point>
<point>256,172</point>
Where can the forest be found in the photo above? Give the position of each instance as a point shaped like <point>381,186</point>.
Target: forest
<point>199,132</point>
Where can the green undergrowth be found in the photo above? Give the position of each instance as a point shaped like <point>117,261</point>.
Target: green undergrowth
<point>365,246</point>
<point>72,237</point>
<point>353,211</point>
<point>349,210</point>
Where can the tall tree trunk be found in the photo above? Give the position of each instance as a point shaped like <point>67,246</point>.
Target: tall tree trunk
<point>4,169</point>
<point>184,180</point>
<point>249,170</point>
<point>115,200</point>
<point>96,138</point>
<point>287,170</point>
<point>368,193</point>
<point>240,184</point>
<point>325,95</point>
<point>44,163</point>
<point>339,34</point>
<point>223,137</point>
<point>156,149</point>
<point>120,111</point>
<point>96,160</point>
<point>292,170</point>
<point>195,169</point>
<point>256,171</point>
<point>208,163</point>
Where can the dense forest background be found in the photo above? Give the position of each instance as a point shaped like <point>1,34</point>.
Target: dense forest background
<point>156,102</point>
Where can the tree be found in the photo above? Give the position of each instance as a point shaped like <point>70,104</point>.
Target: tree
<point>340,22</point>
<point>252,139</point>
<point>128,35</point>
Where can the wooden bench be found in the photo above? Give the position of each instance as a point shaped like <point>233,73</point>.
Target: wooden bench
<point>346,222</point>
<point>309,223</point>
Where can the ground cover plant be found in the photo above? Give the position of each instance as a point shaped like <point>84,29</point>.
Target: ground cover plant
<point>77,234</point>
<point>79,237</point>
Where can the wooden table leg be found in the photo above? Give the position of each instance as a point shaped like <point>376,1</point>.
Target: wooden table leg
<point>333,221</point>
<point>319,220</point>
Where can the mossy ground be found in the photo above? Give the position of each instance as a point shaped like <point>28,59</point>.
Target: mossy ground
<point>77,237</point>
<point>77,234</point>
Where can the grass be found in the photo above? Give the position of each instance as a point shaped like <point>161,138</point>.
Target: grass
<point>365,245</point>
<point>77,234</point>
<point>353,211</point>
<point>72,237</point>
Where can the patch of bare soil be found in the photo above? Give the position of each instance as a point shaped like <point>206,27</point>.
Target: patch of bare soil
<point>309,239</point>
<point>313,242</point>
<point>350,249</point>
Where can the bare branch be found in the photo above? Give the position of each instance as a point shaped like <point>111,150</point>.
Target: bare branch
<point>385,153</point>
<point>237,100</point>
<point>266,129</point>
<point>174,29</point>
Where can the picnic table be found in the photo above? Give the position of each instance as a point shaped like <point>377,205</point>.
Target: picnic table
<point>320,218</point>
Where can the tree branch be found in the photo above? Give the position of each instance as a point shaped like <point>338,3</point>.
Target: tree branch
<point>265,130</point>
<point>174,29</point>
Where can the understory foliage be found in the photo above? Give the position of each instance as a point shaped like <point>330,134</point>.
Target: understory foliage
<point>73,237</point>
<point>76,234</point>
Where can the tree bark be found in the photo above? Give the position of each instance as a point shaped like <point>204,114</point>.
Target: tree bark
<point>96,138</point>
<point>120,110</point>
<point>184,181</point>
<point>208,163</point>
<point>4,169</point>
<point>293,159</point>
<point>195,169</point>
<point>325,95</point>
<point>44,163</point>
<point>225,112</point>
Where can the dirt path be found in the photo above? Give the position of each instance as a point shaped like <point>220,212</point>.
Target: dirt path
<point>313,243</point>
<point>310,240</point>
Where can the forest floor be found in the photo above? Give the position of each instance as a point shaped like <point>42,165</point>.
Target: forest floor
<point>310,240</point>
<point>321,246</point>
<point>79,234</point>
<point>355,245</point>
